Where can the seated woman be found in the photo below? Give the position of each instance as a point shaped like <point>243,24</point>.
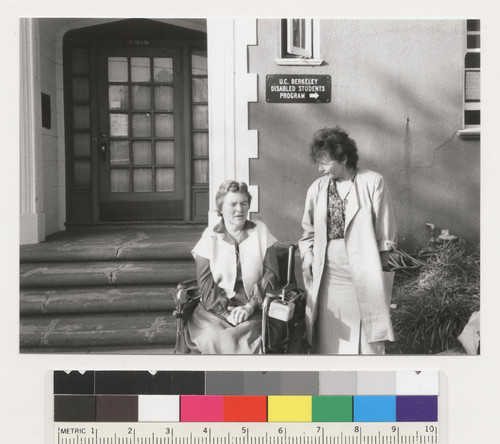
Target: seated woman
<point>235,265</point>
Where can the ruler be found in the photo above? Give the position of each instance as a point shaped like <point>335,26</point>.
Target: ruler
<point>246,433</point>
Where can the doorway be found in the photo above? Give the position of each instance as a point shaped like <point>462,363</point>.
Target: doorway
<point>136,100</point>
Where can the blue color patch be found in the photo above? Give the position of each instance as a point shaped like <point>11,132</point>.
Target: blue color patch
<point>374,408</point>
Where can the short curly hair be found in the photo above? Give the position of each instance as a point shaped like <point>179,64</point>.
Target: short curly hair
<point>232,186</point>
<point>337,144</point>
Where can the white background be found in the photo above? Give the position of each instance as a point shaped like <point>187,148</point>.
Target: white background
<point>473,395</point>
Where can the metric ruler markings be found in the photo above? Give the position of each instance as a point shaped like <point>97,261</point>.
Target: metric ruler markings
<point>357,436</point>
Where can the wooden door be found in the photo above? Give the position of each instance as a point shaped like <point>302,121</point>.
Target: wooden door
<point>141,137</point>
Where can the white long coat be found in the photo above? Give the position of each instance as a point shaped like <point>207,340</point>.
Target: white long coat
<point>369,229</point>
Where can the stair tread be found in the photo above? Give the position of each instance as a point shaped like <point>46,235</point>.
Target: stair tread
<point>98,330</point>
<point>115,243</point>
<point>104,273</point>
<point>96,299</point>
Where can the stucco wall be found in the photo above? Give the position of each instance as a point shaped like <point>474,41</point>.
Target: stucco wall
<point>397,88</point>
<point>53,155</point>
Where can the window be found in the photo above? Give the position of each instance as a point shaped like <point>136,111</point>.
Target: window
<point>472,77</point>
<point>299,42</point>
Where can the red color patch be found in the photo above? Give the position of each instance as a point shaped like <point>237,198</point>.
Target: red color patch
<point>245,408</point>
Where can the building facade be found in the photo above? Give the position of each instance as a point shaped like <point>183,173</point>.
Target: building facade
<point>141,120</point>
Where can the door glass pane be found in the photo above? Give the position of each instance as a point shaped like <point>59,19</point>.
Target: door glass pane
<point>140,69</point>
<point>200,171</point>
<point>473,41</point>
<point>118,97</point>
<point>200,117</point>
<point>117,69</point>
<point>164,152</point>
<point>141,151</point>
<point>81,117</point>
<point>118,124</point>
<point>119,152</point>
<point>141,98</point>
<point>82,172</point>
<point>200,90</point>
<point>472,117</point>
<point>163,69</point>
<point>164,125</point>
<point>165,178</point>
<point>141,125</point>
<point>472,86</point>
<point>81,144</point>
<point>143,179</point>
<point>472,60</point>
<point>200,144</point>
<point>119,180</point>
<point>164,97</point>
<point>80,88</point>
<point>80,61</point>
<point>473,25</point>
<point>199,63</point>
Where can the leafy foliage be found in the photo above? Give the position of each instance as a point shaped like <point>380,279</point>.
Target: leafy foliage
<point>435,294</point>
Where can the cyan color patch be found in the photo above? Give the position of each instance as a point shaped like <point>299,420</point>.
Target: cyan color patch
<point>374,408</point>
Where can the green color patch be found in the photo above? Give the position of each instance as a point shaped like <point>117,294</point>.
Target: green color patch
<point>332,409</point>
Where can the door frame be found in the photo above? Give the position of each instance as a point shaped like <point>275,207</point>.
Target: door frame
<point>95,37</point>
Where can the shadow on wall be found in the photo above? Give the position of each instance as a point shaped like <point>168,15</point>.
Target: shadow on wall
<point>433,176</point>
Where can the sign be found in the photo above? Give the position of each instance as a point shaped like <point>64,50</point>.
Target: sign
<point>284,88</point>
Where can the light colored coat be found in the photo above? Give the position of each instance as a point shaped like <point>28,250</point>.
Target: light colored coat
<point>369,229</point>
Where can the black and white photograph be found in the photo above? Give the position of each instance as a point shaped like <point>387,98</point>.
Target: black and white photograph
<point>250,186</point>
<point>271,188</point>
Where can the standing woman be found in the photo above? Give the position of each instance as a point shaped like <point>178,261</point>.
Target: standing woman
<point>349,231</point>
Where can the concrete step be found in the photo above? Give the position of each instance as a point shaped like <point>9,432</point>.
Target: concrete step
<point>125,350</point>
<point>87,332</point>
<point>51,301</point>
<point>104,289</point>
<point>115,244</point>
<point>83,274</point>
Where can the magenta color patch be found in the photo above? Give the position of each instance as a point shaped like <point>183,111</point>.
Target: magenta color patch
<point>202,408</point>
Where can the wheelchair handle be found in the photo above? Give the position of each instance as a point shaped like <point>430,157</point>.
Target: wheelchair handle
<point>291,261</point>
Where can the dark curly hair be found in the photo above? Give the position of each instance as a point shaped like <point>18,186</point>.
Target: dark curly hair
<point>337,144</point>
<point>230,186</point>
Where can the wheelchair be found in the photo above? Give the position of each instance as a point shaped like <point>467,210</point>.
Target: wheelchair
<point>283,310</point>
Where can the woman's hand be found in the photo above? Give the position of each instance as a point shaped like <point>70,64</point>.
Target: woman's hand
<point>307,264</point>
<point>240,314</point>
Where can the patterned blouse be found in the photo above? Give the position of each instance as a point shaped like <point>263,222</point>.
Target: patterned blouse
<point>336,211</point>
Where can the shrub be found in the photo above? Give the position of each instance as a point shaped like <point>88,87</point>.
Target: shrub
<point>435,294</point>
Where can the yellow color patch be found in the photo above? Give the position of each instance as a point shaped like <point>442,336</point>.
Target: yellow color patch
<point>289,408</point>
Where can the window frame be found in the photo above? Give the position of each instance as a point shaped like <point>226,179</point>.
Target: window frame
<point>471,131</point>
<point>309,54</point>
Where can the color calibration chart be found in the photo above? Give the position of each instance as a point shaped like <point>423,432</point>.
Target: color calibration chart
<point>217,407</point>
